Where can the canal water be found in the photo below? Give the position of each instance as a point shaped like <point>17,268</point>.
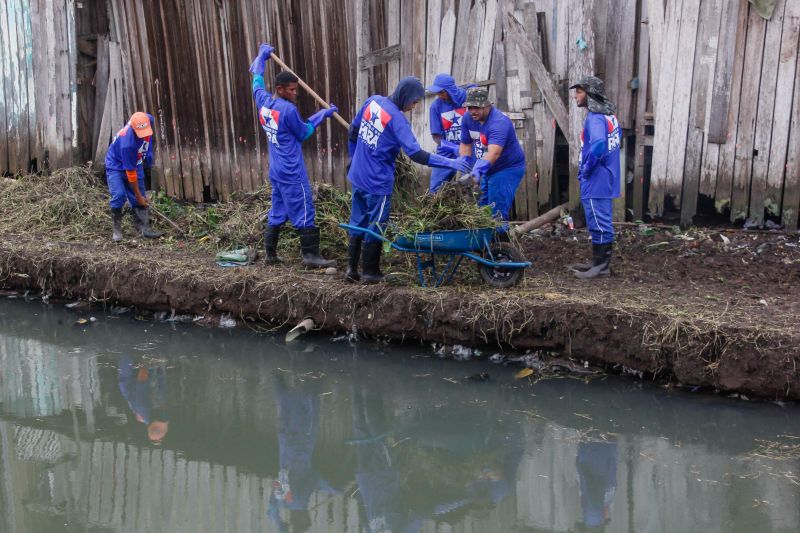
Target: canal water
<point>120,425</point>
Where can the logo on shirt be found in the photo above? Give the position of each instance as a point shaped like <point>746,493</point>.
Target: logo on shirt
<point>451,124</point>
<point>142,151</point>
<point>269,119</point>
<point>480,142</point>
<point>373,122</point>
<point>614,140</point>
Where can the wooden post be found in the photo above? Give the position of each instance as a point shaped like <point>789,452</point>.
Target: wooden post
<point>581,64</point>
<point>641,109</point>
<point>362,47</point>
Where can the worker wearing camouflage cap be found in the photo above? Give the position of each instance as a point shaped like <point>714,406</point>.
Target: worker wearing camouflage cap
<point>500,160</point>
<point>598,173</point>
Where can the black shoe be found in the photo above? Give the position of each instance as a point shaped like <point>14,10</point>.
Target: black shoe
<point>143,227</point>
<point>601,260</point>
<point>309,247</point>
<point>271,236</point>
<point>116,219</point>
<point>370,262</point>
<point>353,257</point>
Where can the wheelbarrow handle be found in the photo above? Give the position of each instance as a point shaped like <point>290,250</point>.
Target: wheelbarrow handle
<point>365,230</point>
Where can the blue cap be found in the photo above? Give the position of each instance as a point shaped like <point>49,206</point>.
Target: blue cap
<point>441,82</point>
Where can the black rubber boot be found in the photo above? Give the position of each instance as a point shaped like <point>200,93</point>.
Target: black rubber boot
<point>353,257</point>
<point>371,261</point>
<point>116,219</point>
<point>144,229</point>
<point>600,262</point>
<point>309,247</point>
<point>271,236</point>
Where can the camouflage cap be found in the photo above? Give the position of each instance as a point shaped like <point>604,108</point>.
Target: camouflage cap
<point>592,85</point>
<point>477,97</point>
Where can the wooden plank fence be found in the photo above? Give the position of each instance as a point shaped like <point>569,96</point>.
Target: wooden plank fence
<point>709,116</point>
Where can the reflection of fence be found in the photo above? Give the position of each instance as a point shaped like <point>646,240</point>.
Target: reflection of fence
<point>39,379</point>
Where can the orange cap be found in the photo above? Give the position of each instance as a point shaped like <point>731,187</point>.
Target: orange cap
<point>140,123</point>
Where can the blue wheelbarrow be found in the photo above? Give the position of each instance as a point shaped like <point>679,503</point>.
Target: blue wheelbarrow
<point>500,264</point>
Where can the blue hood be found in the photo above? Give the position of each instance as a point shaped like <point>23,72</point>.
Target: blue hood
<point>408,91</point>
<point>446,82</point>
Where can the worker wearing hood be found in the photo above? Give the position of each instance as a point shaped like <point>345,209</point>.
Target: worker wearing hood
<point>446,113</point>
<point>378,132</point>
<point>598,173</point>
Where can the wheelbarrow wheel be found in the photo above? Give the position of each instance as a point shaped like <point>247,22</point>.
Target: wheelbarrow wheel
<point>499,277</point>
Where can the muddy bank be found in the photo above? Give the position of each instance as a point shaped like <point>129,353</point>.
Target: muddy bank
<point>696,319</point>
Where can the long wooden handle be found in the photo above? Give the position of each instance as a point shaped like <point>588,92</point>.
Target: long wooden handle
<point>310,91</point>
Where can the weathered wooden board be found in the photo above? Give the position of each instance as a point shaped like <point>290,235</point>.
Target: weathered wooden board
<point>746,126</point>
<point>681,99</point>
<point>765,114</point>
<point>392,38</point>
<point>5,97</point>
<point>705,54</point>
<point>727,152</point>
<point>459,67</point>
<point>656,27</point>
<point>486,43</point>
<point>723,86</point>
<point>787,63</point>
<point>447,37</point>
<point>619,49</point>
<point>791,185</point>
<point>641,107</point>
<point>434,17</point>
<point>666,86</point>
<point>581,63</point>
<point>537,69</point>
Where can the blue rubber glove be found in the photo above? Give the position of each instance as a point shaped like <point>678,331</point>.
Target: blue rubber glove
<point>443,162</point>
<point>468,160</point>
<point>317,118</point>
<point>480,169</point>
<point>264,51</point>
<point>448,149</point>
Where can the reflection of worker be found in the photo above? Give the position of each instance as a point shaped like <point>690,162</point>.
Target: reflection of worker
<point>377,134</point>
<point>143,385</point>
<point>298,428</point>
<point>446,112</point>
<point>500,163</point>
<point>597,481</point>
<point>378,477</point>
<point>291,189</point>
<point>598,173</point>
<point>129,157</point>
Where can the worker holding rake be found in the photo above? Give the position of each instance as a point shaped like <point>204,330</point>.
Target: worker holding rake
<point>128,158</point>
<point>291,190</point>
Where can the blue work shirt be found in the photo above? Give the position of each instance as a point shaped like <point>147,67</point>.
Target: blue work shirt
<point>445,120</point>
<point>599,175</point>
<point>497,129</point>
<point>286,131</point>
<point>382,131</point>
<point>129,152</point>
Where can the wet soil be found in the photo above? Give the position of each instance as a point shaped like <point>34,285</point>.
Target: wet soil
<point>700,309</point>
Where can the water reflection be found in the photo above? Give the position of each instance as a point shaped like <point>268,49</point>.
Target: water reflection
<point>210,430</point>
<point>142,382</point>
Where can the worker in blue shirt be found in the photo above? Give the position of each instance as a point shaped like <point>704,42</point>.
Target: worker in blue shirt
<point>291,190</point>
<point>129,158</point>
<point>377,134</point>
<point>500,163</point>
<point>446,113</point>
<point>598,173</point>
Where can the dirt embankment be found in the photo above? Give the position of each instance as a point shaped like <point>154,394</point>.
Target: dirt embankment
<point>690,308</point>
